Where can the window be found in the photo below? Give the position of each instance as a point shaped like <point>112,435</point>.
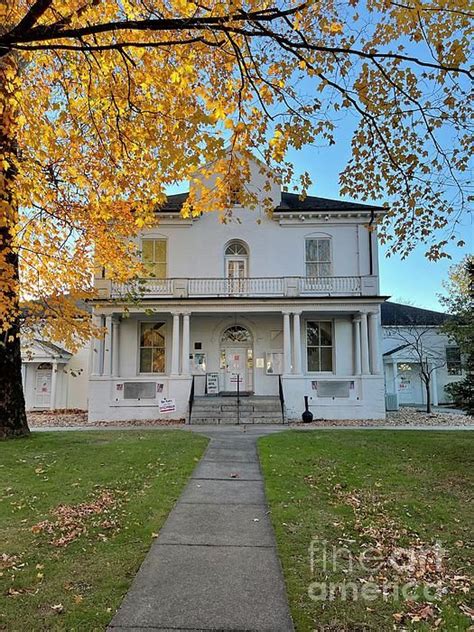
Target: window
<point>152,348</point>
<point>236,335</point>
<point>453,360</point>
<point>319,345</point>
<point>236,261</point>
<point>154,257</point>
<point>234,192</point>
<point>236,249</point>
<point>318,257</point>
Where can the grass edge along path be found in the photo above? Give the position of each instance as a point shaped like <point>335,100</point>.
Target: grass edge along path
<point>361,513</point>
<point>78,513</point>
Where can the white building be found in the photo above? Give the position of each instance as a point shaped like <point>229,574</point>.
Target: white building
<point>54,378</point>
<point>409,334</point>
<point>287,304</point>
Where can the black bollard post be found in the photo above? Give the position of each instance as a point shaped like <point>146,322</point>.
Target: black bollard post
<point>307,416</point>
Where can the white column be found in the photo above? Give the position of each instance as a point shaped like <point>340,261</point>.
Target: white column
<point>54,382</point>
<point>115,347</point>
<point>108,346</point>
<point>185,346</point>
<point>286,344</point>
<point>364,344</point>
<point>175,346</point>
<point>96,349</point>
<point>374,343</point>
<point>356,341</point>
<point>296,343</point>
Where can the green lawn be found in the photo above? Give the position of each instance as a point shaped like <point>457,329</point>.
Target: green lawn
<point>78,512</point>
<point>391,494</point>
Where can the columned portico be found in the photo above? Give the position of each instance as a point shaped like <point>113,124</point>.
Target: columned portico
<point>154,353</point>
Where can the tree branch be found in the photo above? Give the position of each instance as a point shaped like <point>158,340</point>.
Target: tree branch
<point>31,18</point>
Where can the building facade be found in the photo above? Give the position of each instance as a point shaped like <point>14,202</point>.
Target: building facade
<point>412,335</point>
<point>54,378</point>
<point>286,304</point>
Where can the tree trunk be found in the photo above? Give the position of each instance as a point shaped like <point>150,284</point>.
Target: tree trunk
<point>428,397</point>
<point>12,402</point>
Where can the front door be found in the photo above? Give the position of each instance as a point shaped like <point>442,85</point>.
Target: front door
<point>236,369</point>
<point>43,387</point>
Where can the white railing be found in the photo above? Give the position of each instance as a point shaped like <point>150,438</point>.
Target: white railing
<point>330,285</point>
<point>144,287</point>
<point>236,287</point>
<point>259,286</point>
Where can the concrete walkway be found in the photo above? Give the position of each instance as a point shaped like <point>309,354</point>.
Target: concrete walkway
<point>214,565</point>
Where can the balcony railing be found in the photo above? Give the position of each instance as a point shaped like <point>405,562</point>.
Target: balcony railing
<point>237,287</point>
<point>248,287</point>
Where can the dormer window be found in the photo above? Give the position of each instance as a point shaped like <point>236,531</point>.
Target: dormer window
<point>154,253</point>
<point>318,257</point>
<point>235,193</point>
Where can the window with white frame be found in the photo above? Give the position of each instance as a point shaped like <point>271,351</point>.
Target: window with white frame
<point>154,253</point>
<point>453,360</point>
<point>152,348</point>
<point>236,260</point>
<point>319,345</point>
<point>318,257</point>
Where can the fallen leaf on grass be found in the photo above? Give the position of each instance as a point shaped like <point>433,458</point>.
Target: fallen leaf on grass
<point>8,561</point>
<point>72,520</point>
<point>14,592</point>
<point>401,555</point>
<point>465,609</point>
<point>58,608</point>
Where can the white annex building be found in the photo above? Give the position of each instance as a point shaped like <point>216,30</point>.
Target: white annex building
<point>277,308</point>
<point>54,378</point>
<point>411,334</point>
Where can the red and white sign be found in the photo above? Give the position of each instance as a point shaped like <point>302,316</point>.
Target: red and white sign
<point>167,405</point>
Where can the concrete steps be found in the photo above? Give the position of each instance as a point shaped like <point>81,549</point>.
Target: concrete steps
<point>224,410</point>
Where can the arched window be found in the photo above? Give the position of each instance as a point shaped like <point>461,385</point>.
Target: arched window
<point>236,248</point>
<point>236,260</point>
<point>236,335</point>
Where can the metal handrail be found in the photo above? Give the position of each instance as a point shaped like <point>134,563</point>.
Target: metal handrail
<point>238,398</point>
<point>282,397</point>
<point>191,399</point>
